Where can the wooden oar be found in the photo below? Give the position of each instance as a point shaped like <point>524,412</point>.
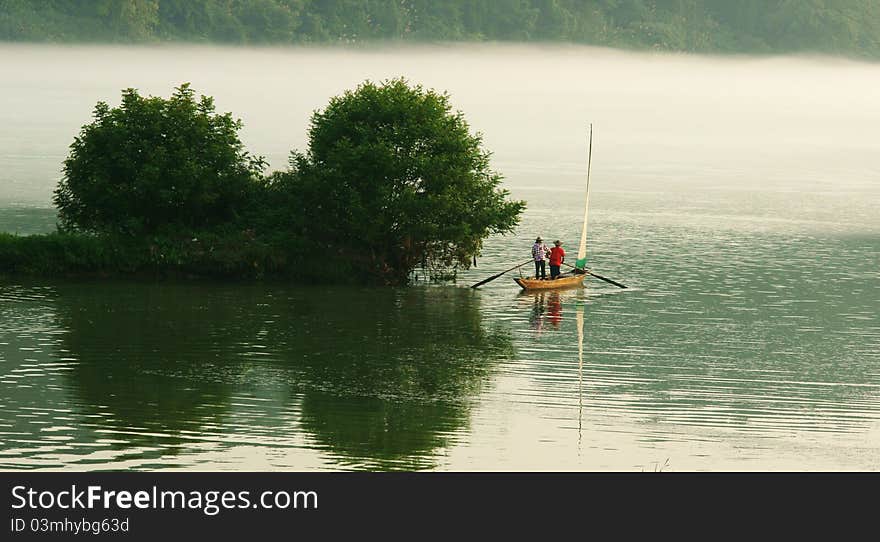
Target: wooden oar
<point>493,277</point>
<point>606,279</point>
<point>600,277</point>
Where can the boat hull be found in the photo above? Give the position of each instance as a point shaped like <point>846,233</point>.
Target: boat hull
<point>571,281</point>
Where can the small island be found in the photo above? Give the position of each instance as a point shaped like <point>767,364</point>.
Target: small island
<point>393,180</point>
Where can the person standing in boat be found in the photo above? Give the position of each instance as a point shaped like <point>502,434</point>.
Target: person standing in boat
<point>557,256</point>
<point>540,253</point>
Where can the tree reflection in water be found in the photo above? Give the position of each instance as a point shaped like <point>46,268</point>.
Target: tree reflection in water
<point>154,361</point>
<point>388,377</point>
<point>377,378</point>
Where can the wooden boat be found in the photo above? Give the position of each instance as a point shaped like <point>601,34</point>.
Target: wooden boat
<point>576,278</point>
<point>564,281</point>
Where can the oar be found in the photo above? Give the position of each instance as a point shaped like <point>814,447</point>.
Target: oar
<point>600,277</point>
<point>493,277</point>
<point>606,279</point>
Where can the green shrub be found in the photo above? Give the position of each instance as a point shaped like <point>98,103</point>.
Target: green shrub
<point>153,165</point>
<point>394,179</point>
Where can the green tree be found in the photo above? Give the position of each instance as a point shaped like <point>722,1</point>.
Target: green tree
<point>268,20</point>
<point>394,179</point>
<point>129,19</point>
<point>155,164</point>
<point>206,20</point>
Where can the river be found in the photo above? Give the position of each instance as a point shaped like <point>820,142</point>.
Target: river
<point>736,197</point>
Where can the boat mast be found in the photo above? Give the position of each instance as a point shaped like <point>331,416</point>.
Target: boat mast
<point>582,248</point>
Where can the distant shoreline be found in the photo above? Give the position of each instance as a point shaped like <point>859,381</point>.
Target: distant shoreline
<point>823,27</point>
<point>376,46</point>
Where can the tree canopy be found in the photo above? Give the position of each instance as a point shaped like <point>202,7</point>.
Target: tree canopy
<point>832,26</point>
<point>155,163</point>
<point>392,179</point>
<point>395,179</point>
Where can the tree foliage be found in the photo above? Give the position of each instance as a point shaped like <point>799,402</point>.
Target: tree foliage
<point>394,179</point>
<point>835,26</point>
<point>153,164</point>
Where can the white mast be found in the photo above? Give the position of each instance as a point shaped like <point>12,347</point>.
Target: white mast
<point>582,248</point>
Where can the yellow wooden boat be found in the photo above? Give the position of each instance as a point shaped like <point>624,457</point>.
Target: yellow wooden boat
<point>572,279</point>
<point>564,281</point>
<point>575,278</point>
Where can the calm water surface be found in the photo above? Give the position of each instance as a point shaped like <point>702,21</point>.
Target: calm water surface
<point>748,339</point>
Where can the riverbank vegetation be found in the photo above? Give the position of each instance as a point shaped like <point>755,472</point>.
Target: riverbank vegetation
<point>230,255</point>
<point>850,27</point>
<point>392,180</point>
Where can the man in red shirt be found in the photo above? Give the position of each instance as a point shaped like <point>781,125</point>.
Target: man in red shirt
<point>557,256</point>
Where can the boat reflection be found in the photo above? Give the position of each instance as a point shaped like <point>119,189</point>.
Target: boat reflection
<point>579,316</point>
<point>547,307</point>
<point>546,314</point>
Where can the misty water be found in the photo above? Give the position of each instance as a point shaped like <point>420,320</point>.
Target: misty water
<point>737,197</point>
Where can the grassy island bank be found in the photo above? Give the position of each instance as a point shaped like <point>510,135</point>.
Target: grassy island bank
<point>231,256</point>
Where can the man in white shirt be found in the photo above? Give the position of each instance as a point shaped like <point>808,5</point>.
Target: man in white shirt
<point>540,252</point>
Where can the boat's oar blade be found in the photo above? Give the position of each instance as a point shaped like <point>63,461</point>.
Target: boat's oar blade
<point>609,281</point>
<point>493,277</point>
<point>490,279</point>
<point>600,277</point>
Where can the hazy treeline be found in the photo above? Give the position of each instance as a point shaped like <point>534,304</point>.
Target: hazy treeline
<point>833,26</point>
